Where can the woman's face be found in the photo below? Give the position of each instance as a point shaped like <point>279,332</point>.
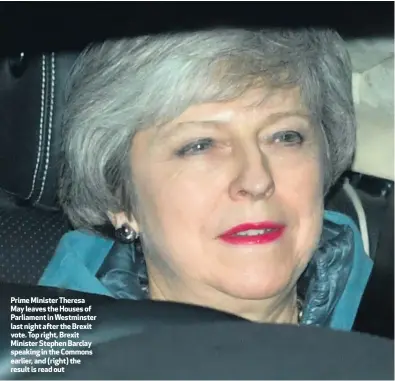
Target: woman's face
<point>230,197</point>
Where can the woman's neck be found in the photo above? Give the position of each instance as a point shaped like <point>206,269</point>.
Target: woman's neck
<point>280,309</point>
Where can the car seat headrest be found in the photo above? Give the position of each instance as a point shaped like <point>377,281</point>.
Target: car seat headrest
<point>31,103</point>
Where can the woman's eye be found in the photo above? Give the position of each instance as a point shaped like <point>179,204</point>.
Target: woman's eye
<point>195,147</point>
<point>288,138</point>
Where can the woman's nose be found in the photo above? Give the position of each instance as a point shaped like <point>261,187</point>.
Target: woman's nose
<point>253,177</point>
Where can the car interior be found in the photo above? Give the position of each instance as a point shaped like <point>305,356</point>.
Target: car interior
<point>34,66</point>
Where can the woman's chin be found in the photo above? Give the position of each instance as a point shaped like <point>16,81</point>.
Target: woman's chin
<point>256,288</point>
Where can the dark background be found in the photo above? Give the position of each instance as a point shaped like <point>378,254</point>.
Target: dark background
<point>39,26</point>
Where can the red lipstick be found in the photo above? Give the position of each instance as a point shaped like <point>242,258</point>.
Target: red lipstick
<point>258,233</point>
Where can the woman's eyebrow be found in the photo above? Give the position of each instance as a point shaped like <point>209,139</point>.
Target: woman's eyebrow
<point>273,118</point>
<point>169,130</point>
<point>201,123</point>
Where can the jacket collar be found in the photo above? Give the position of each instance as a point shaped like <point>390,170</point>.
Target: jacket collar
<point>320,287</point>
<point>326,276</point>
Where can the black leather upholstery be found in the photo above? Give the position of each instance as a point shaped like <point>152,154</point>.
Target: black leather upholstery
<point>374,207</point>
<point>31,90</point>
<point>171,341</point>
<point>28,238</point>
<point>376,311</point>
<point>31,224</point>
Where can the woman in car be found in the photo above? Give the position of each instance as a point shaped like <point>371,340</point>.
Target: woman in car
<point>210,153</point>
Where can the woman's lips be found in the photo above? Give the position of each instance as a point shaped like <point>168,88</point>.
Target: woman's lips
<point>253,233</point>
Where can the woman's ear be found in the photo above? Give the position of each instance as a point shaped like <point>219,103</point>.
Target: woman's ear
<point>119,219</point>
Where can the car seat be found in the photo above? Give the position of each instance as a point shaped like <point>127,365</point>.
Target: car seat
<point>31,222</point>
